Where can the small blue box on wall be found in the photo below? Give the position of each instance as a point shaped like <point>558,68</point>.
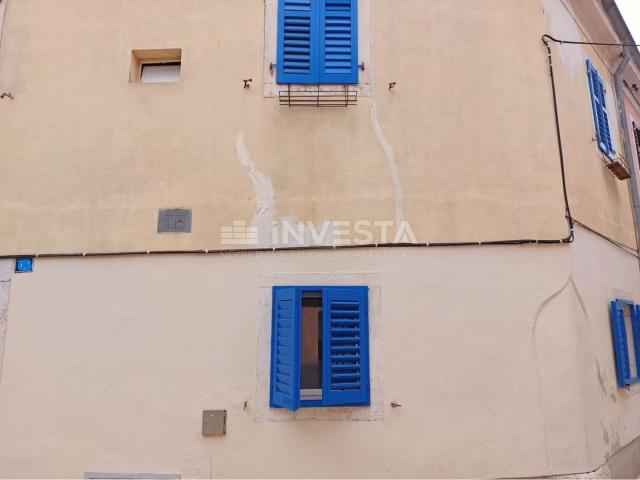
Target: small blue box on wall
<point>24,264</point>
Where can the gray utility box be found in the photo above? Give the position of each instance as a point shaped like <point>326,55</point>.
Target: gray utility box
<point>214,423</point>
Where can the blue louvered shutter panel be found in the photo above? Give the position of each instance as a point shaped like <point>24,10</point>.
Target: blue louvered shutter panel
<point>298,38</point>
<point>600,114</point>
<point>619,331</point>
<point>635,325</point>
<point>338,42</point>
<point>285,348</point>
<point>345,375</point>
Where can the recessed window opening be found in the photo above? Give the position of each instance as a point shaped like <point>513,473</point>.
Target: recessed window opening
<point>311,351</point>
<point>160,72</point>
<point>156,65</point>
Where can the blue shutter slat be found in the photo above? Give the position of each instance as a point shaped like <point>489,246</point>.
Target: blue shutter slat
<point>338,42</point>
<point>345,377</point>
<point>285,348</point>
<point>298,34</point>
<point>600,114</point>
<point>623,369</point>
<point>635,326</point>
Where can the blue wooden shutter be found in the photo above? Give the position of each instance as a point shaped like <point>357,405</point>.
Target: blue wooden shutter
<point>600,115</point>
<point>298,38</point>
<point>285,348</point>
<point>619,331</point>
<point>338,41</point>
<point>345,374</point>
<point>635,326</point>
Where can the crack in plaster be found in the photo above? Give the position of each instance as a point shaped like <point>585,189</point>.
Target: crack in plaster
<point>536,319</point>
<point>569,283</point>
<point>263,189</point>
<point>388,149</point>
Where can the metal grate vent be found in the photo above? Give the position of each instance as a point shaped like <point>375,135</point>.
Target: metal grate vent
<point>176,220</point>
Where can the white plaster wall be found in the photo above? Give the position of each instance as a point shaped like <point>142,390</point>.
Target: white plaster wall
<point>6,269</point>
<point>110,362</point>
<point>603,272</point>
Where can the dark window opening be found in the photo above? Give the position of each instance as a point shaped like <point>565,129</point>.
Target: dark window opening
<point>311,347</point>
<point>636,131</point>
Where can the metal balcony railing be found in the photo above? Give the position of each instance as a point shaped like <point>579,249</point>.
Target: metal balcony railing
<point>317,96</point>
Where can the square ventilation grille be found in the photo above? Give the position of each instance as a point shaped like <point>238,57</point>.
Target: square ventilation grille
<point>175,220</point>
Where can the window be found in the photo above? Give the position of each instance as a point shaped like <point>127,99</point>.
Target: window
<point>156,66</point>
<point>625,327</point>
<point>319,347</point>
<point>160,72</point>
<point>600,115</point>
<point>636,134</point>
<point>317,42</point>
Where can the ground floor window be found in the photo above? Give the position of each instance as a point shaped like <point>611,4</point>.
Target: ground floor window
<point>319,347</point>
<point>625,326</point>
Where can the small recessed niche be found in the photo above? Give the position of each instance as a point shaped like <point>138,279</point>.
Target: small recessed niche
<point>156,65</point>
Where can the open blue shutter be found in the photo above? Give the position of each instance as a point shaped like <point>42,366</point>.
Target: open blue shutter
<point>600,115</point>
<point>635,326</point>
<point>298,38</point>
<point>285,348</point>
<point>619,331</point>
<point>338,41</point>
<point>345,375</point>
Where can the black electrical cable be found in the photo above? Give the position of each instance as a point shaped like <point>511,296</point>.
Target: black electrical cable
<point>559,137</point>
<point>621,246</point>
<point>605,44</point>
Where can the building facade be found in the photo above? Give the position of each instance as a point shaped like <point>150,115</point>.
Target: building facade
<point>200,278</point>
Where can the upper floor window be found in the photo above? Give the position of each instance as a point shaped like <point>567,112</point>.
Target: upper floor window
<point>160,72</point>
<point>317,42</point>
<point>600,114</point>
<point>156,65</point>
<point>319,347</point>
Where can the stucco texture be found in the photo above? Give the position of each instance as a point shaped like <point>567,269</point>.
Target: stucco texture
<point>110,369</point>
<point>88,158</point>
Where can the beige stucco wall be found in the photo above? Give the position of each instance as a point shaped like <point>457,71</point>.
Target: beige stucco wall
<point>597,198</point>
<point>464,147</point>
<point>109,363</point>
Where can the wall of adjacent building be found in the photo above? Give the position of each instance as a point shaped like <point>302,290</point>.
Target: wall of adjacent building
<point>632,106</point>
